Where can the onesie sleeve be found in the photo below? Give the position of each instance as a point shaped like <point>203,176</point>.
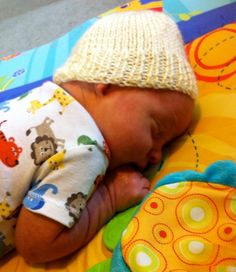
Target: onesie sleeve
<point>66,151</point>
<point>65,182</point>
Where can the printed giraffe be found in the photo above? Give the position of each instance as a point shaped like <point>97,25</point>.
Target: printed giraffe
<point>59,95</point>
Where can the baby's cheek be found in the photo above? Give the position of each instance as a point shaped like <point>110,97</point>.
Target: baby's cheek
<point>146,141</point>
<point>143,146</point>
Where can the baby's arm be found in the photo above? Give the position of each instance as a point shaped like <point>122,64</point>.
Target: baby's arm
<point>40,239</point>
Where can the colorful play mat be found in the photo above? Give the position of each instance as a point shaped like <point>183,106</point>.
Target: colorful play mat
<point>188,221</point>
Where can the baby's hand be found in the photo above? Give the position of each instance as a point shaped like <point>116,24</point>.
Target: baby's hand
<point>126,187</point>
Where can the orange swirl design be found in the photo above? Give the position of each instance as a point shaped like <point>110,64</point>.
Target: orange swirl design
<point>213,55</point>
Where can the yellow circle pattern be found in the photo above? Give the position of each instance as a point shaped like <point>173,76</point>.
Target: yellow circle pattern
<point>143,257</point>
<point>197,213</point>
<point>195,250</point>
<point>174,190</point>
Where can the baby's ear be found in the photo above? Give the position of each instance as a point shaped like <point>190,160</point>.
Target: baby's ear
<point>101,88</point>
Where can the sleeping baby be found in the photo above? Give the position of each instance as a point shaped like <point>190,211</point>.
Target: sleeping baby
<point>73,150</point>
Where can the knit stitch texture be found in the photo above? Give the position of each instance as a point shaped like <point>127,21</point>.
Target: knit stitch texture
<point>138,48</point>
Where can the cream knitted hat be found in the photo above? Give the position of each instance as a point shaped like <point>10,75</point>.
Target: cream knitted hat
<point>137,48</point>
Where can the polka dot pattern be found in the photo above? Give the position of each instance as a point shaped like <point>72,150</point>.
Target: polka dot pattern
<point>154,206</point>
<point>144,257</point>
<point>195,250</point>
<point>227,232</point>
<point>130,231</point>
<point>196,229</point>
<point>197,213</point>
<point>230,204</point>
<point>224,265</point>
<point>174,190</point>
<point>162,233</point>
<point>193,224</point>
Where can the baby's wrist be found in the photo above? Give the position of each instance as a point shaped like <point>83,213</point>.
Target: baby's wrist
<point>108,198</point>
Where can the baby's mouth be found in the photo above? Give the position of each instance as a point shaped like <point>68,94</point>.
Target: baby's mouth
<point>139,166</point>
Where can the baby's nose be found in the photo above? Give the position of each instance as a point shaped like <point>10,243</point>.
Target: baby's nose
<point>155,156</point>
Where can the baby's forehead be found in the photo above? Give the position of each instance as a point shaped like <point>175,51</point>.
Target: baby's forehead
<point>171,95</point>
<point>173,103</point>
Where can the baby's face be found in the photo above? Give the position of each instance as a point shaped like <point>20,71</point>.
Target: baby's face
<point>142,122</point>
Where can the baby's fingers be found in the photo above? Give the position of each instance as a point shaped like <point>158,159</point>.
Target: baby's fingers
<point>142,188</point>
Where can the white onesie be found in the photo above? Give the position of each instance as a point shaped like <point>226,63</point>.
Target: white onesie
<point>52,155</point>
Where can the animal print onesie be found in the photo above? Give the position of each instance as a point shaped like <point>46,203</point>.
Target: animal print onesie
<point>52,155</point>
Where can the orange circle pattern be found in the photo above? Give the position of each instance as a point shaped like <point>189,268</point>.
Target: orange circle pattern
<point>193,230</point>
<point>191,226</point>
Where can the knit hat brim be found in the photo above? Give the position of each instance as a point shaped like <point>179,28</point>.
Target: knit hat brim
<point>138,49</point>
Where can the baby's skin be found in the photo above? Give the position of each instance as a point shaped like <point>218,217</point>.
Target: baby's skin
<point>136,123</point>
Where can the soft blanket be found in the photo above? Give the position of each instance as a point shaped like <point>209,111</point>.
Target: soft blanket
<point>187,223</point>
